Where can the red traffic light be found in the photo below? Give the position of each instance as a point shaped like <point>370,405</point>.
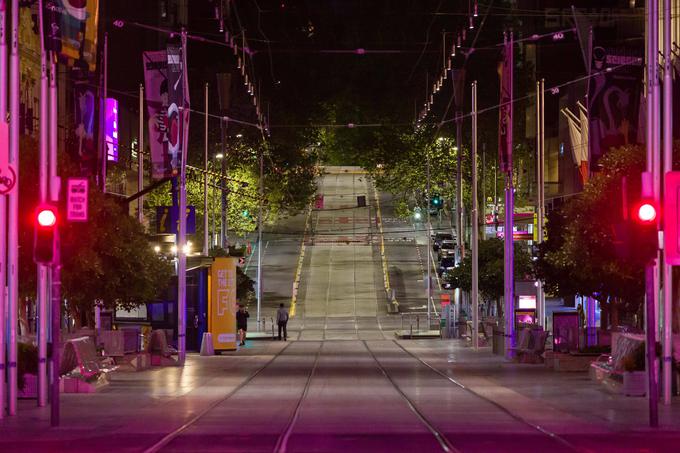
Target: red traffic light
<point>47,217</point>
<point>646,212</point>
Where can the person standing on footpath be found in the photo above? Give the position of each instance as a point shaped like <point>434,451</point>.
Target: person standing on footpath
<point>242,316</point>
<point>282,321</point>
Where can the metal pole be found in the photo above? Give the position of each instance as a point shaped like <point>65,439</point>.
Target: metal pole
<point>224,235</point>
<point>656,146</point>
<point>652,390</point>
<point>540,201</point>
<point>182,234</point>
<point>508,293</point>
<point>43,179</point>
<point>56,266</point>
<point>429,238</point>
<point>102,115</point>
<point>483,206</point>
<point>140,156</point>
<point>13,211</point>
<point>259,238</point>
<point>3,207</point>
<point>474,241</point>
<point>205,180</point>
<point>459,189</point>
<point>667,167</point>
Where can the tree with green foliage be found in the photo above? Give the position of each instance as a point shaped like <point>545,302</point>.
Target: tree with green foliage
<point>491,266</point>
<point>582,254</point>
<point>107,259</point>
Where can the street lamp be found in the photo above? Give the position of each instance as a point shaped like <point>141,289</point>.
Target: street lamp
<point>219,156</point>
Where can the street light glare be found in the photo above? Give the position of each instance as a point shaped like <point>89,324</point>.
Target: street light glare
<point>219,156</point>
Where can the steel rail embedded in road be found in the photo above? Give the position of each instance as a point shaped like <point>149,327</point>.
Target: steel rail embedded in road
<point>444,443</point>
<point>172,435</point>
<point>502,408</point>
<point>282,441</point>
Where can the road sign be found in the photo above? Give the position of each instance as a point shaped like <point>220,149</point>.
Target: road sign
<point>8,177</point>
<point>167,220</point>
<point>76,200</point>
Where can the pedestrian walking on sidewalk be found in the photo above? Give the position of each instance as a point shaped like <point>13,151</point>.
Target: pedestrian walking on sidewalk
<point>242,316</point>
<point>282,321</point>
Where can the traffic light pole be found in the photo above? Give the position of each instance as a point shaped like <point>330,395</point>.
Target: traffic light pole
<point>667,167</point>
<point>56,266</point>
<point>42,269</point>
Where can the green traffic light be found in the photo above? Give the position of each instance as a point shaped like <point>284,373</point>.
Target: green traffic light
<point>245,213</point>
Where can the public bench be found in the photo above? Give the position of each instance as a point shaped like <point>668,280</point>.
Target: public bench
<point>530,345</point>
<point>611,366</point>
<point>161,353</point>
<point>81,368</point>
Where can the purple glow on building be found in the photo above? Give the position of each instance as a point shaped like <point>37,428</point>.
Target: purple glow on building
<point>111,129</point>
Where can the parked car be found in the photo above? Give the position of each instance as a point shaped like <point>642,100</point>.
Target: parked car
<point>440,237</point>
<point>446,264</point>
<point>446,248</point>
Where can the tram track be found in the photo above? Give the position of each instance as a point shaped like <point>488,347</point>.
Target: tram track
<point>555,437</point>
<point>168,438</point>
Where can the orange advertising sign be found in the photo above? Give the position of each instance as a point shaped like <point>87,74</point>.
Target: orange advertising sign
<point>223,307</point>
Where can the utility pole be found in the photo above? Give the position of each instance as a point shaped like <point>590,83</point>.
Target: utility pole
<point>205,180</point>
<point>259,239</point>
<point>13,211</point>
<point>42,269</point>
<point>508,269</point>
<point>540,189</point>
<point>429,245</point>
<point>3,204</point>
<point>474,240</point>
<point>140,157</point>
<point>667,167</point>
<point>181,236</point>
<point>460,237</point>
<point>102,113</point>
<point>224,231</point>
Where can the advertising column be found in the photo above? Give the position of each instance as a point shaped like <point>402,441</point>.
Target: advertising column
<point>222,304</point>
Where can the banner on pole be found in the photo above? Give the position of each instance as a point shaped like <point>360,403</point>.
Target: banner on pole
<point>505,110</point>
<point>614,101</point>
<point>84,144</point>
<point>178,106</point>
<point>156,90</point>
<point>72,30</point>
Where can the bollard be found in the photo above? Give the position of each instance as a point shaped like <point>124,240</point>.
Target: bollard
<point>411,327</point>
<point>417,322</point>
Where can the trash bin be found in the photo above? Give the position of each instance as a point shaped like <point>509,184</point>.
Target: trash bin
<point>498,344</point>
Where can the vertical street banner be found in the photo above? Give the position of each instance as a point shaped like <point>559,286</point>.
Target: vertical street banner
<point>614,101</point>
<point>72,30</point>
<point>156,91</point>
<point>505,110</point>
<point>84,139</point>
<point>178,105</point>
<point>222,303</point>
